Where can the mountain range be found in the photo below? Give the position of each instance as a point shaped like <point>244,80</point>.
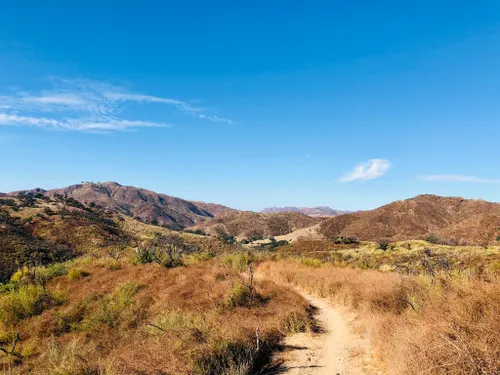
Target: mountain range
<point>144,205</point>
<point>449,219</point>
<point>310,211</point>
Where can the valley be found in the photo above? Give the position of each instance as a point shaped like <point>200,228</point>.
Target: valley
<point>89,288</point>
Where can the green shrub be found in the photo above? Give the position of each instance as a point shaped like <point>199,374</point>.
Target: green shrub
<point>239,261</point>
<point>311,262</point>
<point>111,308</point>
<point>55,270</point>
<point>75,274</point>
<point>113,265</point>
<point>70,319</point>
<point>142,256</point>
<point>164,249</point>
<point>239,296</point>
<point>27,301</point>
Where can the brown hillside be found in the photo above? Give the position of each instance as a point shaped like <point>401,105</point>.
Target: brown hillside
<point>213,208</point>
<point>251,224</point>
<point>458,219</point>
<point>146,205</point>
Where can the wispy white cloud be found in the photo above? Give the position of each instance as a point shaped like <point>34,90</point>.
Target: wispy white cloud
<point>458,178</point>
<point>84,124</point>
<point>85,105</point>
<point>369,170</point>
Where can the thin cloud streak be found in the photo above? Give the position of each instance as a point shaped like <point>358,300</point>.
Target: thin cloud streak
<point>458,178</point>
<point>84,124</point>
<point>369,170</point>
<point>85,105</point>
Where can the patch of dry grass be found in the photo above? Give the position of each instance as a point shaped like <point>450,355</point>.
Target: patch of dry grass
<point>177,322</point>
<point>406,257</point>
<point>420,324</point>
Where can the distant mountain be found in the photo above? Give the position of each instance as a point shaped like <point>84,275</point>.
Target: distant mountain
<point>255,225</point>
<point>146,205</point>
<point>310,211</point>
<point>451,219</point>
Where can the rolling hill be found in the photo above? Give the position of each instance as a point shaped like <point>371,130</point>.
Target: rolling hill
<point>256,225</point>
<point>453,219</point>
<point>142,204</point>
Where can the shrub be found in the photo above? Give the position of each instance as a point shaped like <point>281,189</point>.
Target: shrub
<point>112,307</point>
<point>228,239</point>
<point>296,323</point>
<point>54,270</point>
<point>439,240</point>
<point>383,245</point>
<point>226,358</point>
<point>166,250</point>
<point>75,274</point>
<point>239,296</point>
<point>48,211</point>
<point>27,301</point>
<point>239,261</point>
<point>180,321</point>
<point>70,319</point>
<point>113,265</point>
<point>311,262</point>
<point>274,244</point>
<point>345,240</point>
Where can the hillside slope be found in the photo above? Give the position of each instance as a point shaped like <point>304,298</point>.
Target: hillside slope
<point>35,231</point>
<point>256,225</point>
<point>310,211</point>
<point>456,219</point>
<point>146,205</point>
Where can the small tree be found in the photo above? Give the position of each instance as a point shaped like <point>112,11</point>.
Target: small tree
<point>164,249</point>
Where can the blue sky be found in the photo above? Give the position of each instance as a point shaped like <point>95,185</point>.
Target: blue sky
<point>347,104</point>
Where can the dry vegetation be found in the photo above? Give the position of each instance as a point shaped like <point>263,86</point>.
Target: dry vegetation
<point>455,220</point>
<point>254,225</point>
<point>96,318</point>
<point>142,299</point>
<point>406,257</point>
<point>419,324</point>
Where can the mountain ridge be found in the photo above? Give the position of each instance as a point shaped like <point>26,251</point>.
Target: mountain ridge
<point>310,211</point>
<point>453,219</point>
<point>143,204</point>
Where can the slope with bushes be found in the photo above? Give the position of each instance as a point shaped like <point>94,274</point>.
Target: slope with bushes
<point>142,204</point>
<point>455,220</point>
<point>256,225</point>
<point>101,316</point>
<point>18,245</point>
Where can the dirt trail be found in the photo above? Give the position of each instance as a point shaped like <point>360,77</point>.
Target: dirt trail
<point>340,348</point>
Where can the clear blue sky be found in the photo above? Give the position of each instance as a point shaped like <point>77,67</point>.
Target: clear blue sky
<point>350,104</point>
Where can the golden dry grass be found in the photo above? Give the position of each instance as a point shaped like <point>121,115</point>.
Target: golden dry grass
<point>146,319</point>
<point>407,257</point>
<point>419,325</point>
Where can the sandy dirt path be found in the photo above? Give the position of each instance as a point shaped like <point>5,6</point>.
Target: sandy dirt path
<point>339,348</point>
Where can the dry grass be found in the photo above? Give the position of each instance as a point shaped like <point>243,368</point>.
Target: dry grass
<point>419,325</point>
<point>406,257</point>
<point>146,319</point>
